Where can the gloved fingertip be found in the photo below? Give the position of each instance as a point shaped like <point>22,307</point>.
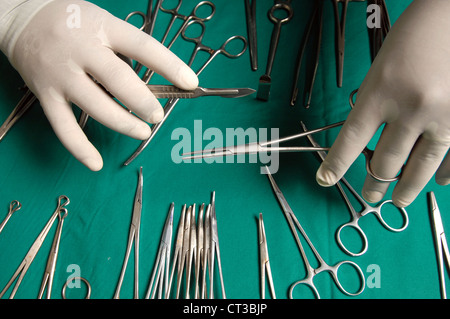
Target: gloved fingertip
<point>372,196</point>
<point>400,202</point>
<point>157,115</point>
<point>325,177</point>
<point>94,164</point>
<point>443,181</point>
<point>189,79</point>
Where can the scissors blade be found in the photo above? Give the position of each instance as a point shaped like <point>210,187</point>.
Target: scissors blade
<point>250,11</point>
<point>440,241</point>
<point>170,91</point>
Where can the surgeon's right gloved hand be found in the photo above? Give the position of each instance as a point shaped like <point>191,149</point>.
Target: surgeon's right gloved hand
<point>56,56</point>
<point>408,88</point>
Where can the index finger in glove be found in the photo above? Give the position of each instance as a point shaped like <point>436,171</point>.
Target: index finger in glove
<point>360,126</point>
<point>131,42</point>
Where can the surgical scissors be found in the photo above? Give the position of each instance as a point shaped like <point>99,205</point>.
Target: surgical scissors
<point>250,13</point>
<point>366,209</point>
<point>29,257</point>
<point>14,206</point>
<point>264,262</point>
<point>162,264</point>
<point>200,252</point>
<point>340,37</point>
<point>49,273</point>
<point>172,102</point>
<point>265,80</point>
<point>133,236</point>
<point>440,241</point>
<point>310,271</point>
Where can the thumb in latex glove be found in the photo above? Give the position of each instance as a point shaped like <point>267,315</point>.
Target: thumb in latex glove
<point>57,60</point>
<point>408,88</point>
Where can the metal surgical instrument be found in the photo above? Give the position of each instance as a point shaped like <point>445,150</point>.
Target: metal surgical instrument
<point>170,91</point>
<point>310,271</point>
<point>24,104</point>
<point>14,206</point>
<point>316,21</point>
<point>49,273</point>
<point>264,262</point>
<point>366,209</point>
<point>250,13</point>
<point>440,241</point>
<point>162,264</point>
<point>133,236</point>
<point>172,102</point>
<point>265,80</point>
<point>26,263</point>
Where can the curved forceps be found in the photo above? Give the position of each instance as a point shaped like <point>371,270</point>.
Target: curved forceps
<point>172,102</point>
<point>323,266</point>
<point>367,209</point>
<point>199,46</point>
<point>26,263</point>
<point>14,206</point>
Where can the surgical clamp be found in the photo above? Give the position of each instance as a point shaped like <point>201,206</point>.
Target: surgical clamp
<point>264,262</point>
<point>29,257</point>
<point>440,241</point>
<point>133,236</point>
<point>14,206</point>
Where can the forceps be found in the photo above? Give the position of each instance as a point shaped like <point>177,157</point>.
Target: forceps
<point>14,206</point>
<point>172,102</point>
<point>440,241</point>
<point>214,249</point>
<point>133,236</point>
<point>49,273</point>
<point>310,271</point>
<point>24,104</point>
<point>366,209</point>
<point>162,264</point>
<point>264,262</point>
<point>340,37</point>
<point>265,80</point>
<point>26,263</point>
<point>250,13</point>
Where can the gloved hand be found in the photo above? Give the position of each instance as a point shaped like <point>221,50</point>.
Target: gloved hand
<point>56,59</point>
<point>408,88</point>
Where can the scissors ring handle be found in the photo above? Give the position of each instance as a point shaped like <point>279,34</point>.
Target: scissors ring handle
<point>200,4</point>
<point>280,6</point>
<point>353,224</point>
<point>305,282</point>
<point>223,49</point>
<point>14,206</point>
<point>88,285</point>
<point>335,271</point>
<point>368,153</point>
<point>385,224</point>
<point>173,11</point>
<point>139,13</point>
<point>197,39</point>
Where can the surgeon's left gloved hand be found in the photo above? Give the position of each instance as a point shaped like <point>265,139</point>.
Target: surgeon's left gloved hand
<point>56,55</point>
<point>408,88</point>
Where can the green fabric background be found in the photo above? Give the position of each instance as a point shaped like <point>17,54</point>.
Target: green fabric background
<point>35,169</point>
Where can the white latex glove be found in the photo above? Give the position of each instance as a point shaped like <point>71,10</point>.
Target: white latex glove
<point>408,88</point>
<point>56,60</point>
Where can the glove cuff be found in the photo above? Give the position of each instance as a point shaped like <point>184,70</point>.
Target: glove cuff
<point>14,17</point>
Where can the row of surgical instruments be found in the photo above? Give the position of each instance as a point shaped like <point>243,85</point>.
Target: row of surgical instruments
<point>45,290</point>
<point>194,258</point>
<point>280,13</point>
